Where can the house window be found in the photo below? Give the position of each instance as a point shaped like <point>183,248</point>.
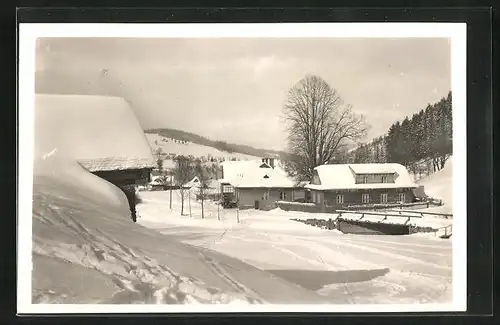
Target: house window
<point>283,196</point>
<point>227,189</point>
<point>314,196</point>
<point>365,198</point>
<point>365,179</point>
<point>340,199</point>
<point>384,179</point>
<point>402,197</point>
<point>383,198</point>
<point>266,196</point>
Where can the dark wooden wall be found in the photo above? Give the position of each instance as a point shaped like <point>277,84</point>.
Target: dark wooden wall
<point>126,180</point>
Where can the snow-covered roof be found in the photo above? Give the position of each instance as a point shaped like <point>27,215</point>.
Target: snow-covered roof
<point>157,180</point>
<point>101,133</point>
<point>341,176</point>
<point>254,174</point>
<point>255,177</point>
<point>233,169</point>
<point>194,182</point>
<point>114,163</point>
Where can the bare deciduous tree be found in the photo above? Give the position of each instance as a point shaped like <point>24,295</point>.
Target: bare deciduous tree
<point>159,158</point>
<point>318,125</point>
<point>203,173</point>
<point>183,173</point>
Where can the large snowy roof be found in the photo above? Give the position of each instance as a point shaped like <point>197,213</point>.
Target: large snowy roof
<point>101,133</point>
<point>342,176</point>
<point>251,174</point>
<point>255,177</point>
<point>234,169</point>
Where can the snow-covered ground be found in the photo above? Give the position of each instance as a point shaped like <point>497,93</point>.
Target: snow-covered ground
<point>169,146</point>
<point>86,249</point>
<point>343,268</point>
<point>440,186</point>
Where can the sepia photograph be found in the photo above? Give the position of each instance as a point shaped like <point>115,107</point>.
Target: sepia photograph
<point>320,168</point>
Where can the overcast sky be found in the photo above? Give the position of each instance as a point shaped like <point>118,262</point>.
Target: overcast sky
<point>234,89</point>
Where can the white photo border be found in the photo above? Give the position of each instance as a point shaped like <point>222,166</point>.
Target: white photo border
<point>28,34</point>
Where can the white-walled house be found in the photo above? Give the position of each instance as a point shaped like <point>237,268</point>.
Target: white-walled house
<point>257,184</point>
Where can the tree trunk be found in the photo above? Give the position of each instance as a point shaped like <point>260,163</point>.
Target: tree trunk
<point>218,207</point>
<point>443,161</point>
<point>202,212</point>
<point>170,192</point>
<point>182,202</point>
<point>189,201</point>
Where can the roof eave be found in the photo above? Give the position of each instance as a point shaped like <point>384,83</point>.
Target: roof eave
<point>319,188</point>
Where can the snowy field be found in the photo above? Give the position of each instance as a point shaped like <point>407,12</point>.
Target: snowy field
<point>342,268</point>
<point>170,147</point>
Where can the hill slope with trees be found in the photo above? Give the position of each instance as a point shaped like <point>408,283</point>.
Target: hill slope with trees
<point>220,145</point>
<point>422,142</point>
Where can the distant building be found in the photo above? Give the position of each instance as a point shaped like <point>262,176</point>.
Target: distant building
<point>340,185</point>
<point>256,184</point>
<point>193,183</point>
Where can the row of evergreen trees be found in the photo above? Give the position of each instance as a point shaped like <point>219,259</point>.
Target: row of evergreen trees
<point>422,142</point>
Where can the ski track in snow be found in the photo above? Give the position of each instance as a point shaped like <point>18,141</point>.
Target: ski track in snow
<point>140,279</point>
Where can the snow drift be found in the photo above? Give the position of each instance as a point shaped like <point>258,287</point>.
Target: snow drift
<point>440,185</point>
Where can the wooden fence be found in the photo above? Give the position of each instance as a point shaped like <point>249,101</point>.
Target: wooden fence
<point>422,213</point>
<point>316,208</point>
<point>370,213</point>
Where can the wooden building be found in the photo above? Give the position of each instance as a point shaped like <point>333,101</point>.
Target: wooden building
<point>125,173</point>
<point>341,185</point>
<point>102,134</point>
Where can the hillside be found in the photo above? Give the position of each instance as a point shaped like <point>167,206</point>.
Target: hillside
<point>440,185</point>
<point>172,146</point>
<point>219,145</point>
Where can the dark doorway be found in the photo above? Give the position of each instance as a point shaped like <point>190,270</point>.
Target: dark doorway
<point>256,204</point>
